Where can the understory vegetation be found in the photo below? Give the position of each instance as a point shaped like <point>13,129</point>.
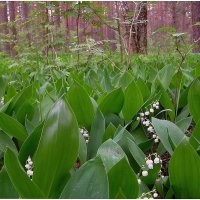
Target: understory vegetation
<point>90,120</point>
<point>98,130</point>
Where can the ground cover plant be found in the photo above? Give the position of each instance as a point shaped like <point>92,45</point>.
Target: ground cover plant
<point>101,133</point>
<point>97,121</point>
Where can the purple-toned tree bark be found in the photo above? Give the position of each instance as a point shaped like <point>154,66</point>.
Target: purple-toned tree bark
<point>3,26</point>
<point>11,5</point>
<point>196,29</point>
<point>25,18</point>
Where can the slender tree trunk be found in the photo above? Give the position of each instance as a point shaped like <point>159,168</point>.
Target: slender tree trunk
<point>196,29</point>
<point>174,14</point>
<point>3,26</point>
<point>141,33</point>
<point>57,15</point>
<point>119,31</point>
<point>25,18</point>
<point>11,5</point>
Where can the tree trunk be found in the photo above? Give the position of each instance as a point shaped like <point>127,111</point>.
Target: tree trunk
<point>173,12</point>
<point>3,26</point>
<point>25,18</point>
<point>141,33</point>
<point>11,5</point>
<point>196,29</point>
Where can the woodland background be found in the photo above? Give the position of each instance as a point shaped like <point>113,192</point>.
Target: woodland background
<point>91,27</point>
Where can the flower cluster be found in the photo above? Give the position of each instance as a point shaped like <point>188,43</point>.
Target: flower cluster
<point>150,195</point>
<point>85,134</point>
<point>29,167</point>
<point>144,118</point>
<point>2,100</point>
<point>150,162</point>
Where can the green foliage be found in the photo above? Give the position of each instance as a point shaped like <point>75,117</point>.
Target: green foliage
<point>44,107</point>
<point>90,181</point>
<point>59,145</point>
<point>193,100</point>
<point>184,171</point>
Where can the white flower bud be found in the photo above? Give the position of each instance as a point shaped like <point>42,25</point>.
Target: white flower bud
<point>157,137</point>
<point>86,141</point>
<point>30,162</point>
<point>156,140</point>
<point>157,107</point>
<point>156,160</point>
<point>147,113</point>
<point>151,110</point>
<point>150,129</point>
<point>144,122</point>
<point>30,173</point>
<point>27,166</point>
<point>139,181</point>
<point>154,105</point>
<point>154,136</point>
<point>144,173</point>
<point>150,166</point>
<point>138,118</point>
<point>149,162</point>
<point>147,123</point>
<point>141,114</point>
<point>29,159</point>
<point>157,103</point>
<point>85,135</point>
<point>162,176</point>
<point>82,131</point>
<point>155,195</point>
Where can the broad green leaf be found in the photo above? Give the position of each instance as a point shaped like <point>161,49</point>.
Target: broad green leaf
<point>25,110</point>
<point>193,99</point>
<point>96,134</point>
<point>195,137</point>
<point>20,98</point>
<point>133,101</point>
<point>110,153</point>
<point>6,141</point>
<point>136,152</point>
<point>2,86</point>
<point>184,171</point>
<point>6,105</point>
<point>122,177</point>
<point>143,89</point>
<point>184,123</point>
<point>21,182</point>
<point>12,127</point>
<point>7,190</point>
<point>82,149</point>
<point>166,128</point>
<point>107,81</point>
<point>125,79</point>
<point>114,119</point>
<point>81,105</point>
<point>109,132</point>
<point>165,75</point>
<point>45,105</point>
<point>166,102</point>
<point>112,102</point>
<point>57,150</point>
<point>30,145</point>
<point>89,182</point>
